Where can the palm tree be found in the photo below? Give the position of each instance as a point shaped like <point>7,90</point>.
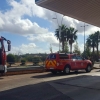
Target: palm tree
<point>91,42</point>
<point>97,39</point>
<point>97,34</point>
<point>87,51</point>
<point>71,36</point>
<point>62,37</point>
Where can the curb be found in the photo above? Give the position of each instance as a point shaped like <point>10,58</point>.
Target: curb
<point>29,71</point>
<point>24,72</point>
<point>19,71</point>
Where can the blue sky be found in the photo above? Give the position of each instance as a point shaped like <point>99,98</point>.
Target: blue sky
<point>31,28</point>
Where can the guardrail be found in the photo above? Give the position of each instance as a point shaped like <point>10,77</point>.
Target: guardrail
<point>23,70</point>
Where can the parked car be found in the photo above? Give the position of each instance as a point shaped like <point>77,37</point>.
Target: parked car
<point>65,62</point>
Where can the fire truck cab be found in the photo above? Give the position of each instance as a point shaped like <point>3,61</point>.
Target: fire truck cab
<point>3,67</point>
<point>65,62</point>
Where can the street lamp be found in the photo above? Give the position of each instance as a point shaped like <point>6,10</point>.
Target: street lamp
<point>59,27</point>
<point>84,37</point>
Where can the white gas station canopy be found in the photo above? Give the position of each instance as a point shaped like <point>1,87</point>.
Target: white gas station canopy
<point>84,10</point>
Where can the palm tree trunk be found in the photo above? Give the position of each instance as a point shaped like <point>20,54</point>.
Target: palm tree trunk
<point>93,51</point>
<point>70,43</point>
<point>97,52</point>
<point>71,48</point>
<point>62,46</point>
<point>97,47</point>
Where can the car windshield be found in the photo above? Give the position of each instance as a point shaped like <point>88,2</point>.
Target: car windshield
<point>79,58</point>
<point>52,56</point>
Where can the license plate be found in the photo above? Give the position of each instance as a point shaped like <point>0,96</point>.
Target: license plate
<point>51,68</point>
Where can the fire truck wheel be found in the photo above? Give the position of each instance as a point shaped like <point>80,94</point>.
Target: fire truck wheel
<point>88,69</point>
<point>66,70</point>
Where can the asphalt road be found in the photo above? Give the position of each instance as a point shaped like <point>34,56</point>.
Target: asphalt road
<point>45,86</point>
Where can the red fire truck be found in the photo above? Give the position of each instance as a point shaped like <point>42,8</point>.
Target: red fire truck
<point>3,67</point>
<point>65,62</point>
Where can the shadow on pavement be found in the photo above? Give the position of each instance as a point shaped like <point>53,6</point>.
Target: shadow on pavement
<point>83,87</point>
<point>1,78</point>
<point>40,91</point>
<point>98,71</point>
<point>58,74</point>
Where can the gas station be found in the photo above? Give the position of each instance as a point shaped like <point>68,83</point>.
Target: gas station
<point>34,83</point>
<point>87,11</point>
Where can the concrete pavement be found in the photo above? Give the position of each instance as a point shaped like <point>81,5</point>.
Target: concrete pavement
<point>45,86</point>
<point>85,87</point>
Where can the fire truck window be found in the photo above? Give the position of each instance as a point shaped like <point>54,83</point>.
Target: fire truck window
<point>63,56</point>
<point>74,57</point>
<point>52,56</point>
<point>79,58</point>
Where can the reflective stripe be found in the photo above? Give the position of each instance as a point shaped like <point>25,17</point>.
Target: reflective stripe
<point>50,63</point>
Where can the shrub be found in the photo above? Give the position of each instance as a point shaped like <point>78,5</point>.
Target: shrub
<point>36,60</point>
<point>23,61</point>
<point>10,59</point>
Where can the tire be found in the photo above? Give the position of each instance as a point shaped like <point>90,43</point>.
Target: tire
<point>59,71</point>
<point>66,70</point>
<point>76,71</point>
<point>54,72</point>
<point>89,68</point>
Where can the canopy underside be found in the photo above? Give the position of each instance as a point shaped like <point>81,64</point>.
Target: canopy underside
<point>84,10</point>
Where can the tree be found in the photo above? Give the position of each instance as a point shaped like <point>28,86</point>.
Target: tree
<point>66,49</point>
<point>10,59</point>
<point>43,58</point>
<point>97,39</point>
<point>29,58</point>
<point>71,36</point>
<point>91,42</point>
<point>17,58</point>
<point>63,33</point>
<point>23,61</point>
<point>76,48</point>
<point>36,60</point>
<point>88,51</point>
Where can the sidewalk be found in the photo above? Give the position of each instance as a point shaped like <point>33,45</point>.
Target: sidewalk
<point>96,66</point>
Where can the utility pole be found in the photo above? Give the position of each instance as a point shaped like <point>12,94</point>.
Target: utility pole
<point>59,28</point>
<point>84,37</point>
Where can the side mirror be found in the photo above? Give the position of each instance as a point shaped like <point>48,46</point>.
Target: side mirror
<point>8,42</point>
<point>9,47</point>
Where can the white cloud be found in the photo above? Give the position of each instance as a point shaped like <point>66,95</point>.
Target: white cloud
<point>12,21</point>
<point>30,48</point>
<point>1,23</point>
<point>81,47</point>
<point>47,37</point>
<point>24,48</point>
